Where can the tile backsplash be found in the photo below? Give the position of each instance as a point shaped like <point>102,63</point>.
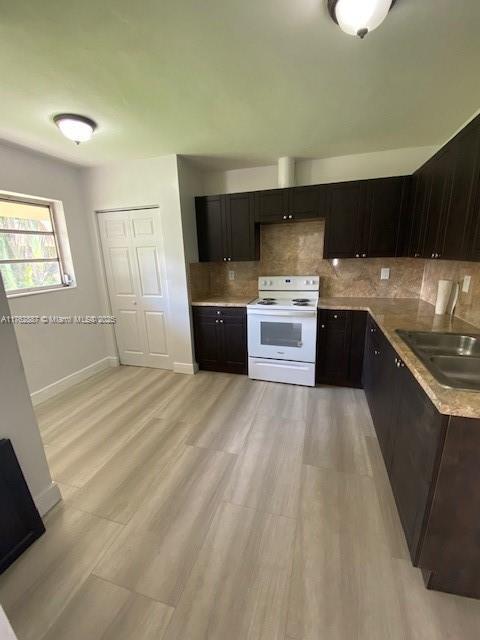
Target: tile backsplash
<point>468,307</point>
<point>297,249</point>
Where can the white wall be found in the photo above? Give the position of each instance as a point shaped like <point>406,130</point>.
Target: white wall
<point>153,181</point>
<point>51,353</point>
<point>17,420</point>
<point>379,164</point>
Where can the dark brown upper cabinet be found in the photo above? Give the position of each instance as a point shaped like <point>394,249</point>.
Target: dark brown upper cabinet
<point>364,218</point>
<point>459,217</point>
<point>439,174</point>
<point>445,215</point>
<point>210,228</point>
<point>345,226</point>
<point>305,203</point>
<point>386,205</point>
<point>226,228</point>
<point>418,212</point>
<point>271,205</point>
<point>288,205</point>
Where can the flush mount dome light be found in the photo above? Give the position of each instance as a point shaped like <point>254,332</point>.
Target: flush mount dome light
<point>74,127</point>
<point>359,17</point>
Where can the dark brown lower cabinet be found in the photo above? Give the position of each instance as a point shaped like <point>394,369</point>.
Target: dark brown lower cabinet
<point>20,522</point>
<point>221,338</point>
<point>340,345</point>
<point>433,464</point>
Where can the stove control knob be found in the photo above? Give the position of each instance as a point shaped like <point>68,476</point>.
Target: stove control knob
<point>264,283</point>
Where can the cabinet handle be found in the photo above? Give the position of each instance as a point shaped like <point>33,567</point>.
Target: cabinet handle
<point>335,316</point>
<point>224,259</point>
<point>417,255</point>
<point>284,217</point>
<point>290,217</point>
<point>322,326</point>
<point>376,352</point>
<point>373,330</point>
<point>357,255</point>
<point>219,313</point>
<point>229,259</point>
<point>221,321</point>
<point>364,255</point>
<point>217,321</point>
<point>433,255</point>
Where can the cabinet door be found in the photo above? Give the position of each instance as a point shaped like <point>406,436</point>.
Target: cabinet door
<point>418,434</point>
<point>234,342</point>
<point>207,339</point>
<point>421,193</point>
<point>384,206</point>
<point>211,230</point>
<point>306,202</point>
<point>474,251</point>
<point>382,395</point>
<point>346,221</point>
<point>357,348</point>
<point>465,155</point>
<point>271,205</point>
<point>333,347</point>
<point>441,177</point>
<point>242,241</point>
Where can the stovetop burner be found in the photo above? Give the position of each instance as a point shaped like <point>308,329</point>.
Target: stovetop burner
<point>267,301</point>
<point>300,300</point>
<point>301,304</point>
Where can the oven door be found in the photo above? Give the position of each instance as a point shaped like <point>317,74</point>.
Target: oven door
<point>282,335</point>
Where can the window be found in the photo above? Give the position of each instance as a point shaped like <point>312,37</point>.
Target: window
<point>30,254</point>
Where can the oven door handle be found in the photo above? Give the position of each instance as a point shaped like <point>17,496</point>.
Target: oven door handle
<point>279,314</point>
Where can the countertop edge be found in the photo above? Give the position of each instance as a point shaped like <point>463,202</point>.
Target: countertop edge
<point>418,370</point>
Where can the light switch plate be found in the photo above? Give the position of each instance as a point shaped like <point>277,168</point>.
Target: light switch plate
<point>231,275</point>
<point>385,274</point>
<point>466,284</point>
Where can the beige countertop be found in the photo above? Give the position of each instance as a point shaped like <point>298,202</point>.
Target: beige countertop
<point>416,315</point>
<point>222,301</point>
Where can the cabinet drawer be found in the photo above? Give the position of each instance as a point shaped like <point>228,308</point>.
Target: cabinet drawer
<point>220,312</point>
<point>336,319</point>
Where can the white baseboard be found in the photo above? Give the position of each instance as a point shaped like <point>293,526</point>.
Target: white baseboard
<point>57,387</point>
<point>47,499</point>
<point>185,367</point>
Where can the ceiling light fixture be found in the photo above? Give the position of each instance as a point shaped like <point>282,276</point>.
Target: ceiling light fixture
<point>75,127</point>
<point>359,17</point>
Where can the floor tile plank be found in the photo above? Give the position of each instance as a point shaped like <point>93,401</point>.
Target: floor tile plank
<point>239,585</point>
<point>103,611</point>
<point>226,425</point>
<point>267,474</point>
<point>155,552</point>
<point>334,437</point>
<point>37,587</point>
<point>119,488</point>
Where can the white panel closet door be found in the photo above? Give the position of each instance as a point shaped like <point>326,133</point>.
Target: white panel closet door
<point>133,250</point>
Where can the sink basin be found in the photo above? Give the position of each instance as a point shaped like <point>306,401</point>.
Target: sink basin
<point>452,358</point>
<point>459,372</point>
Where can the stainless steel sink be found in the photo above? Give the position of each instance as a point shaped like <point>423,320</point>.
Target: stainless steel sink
<point>452,358</point>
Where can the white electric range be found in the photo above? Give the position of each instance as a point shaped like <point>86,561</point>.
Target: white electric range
<point>282,330</point>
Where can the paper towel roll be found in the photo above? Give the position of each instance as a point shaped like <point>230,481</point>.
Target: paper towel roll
<point>443,296</point>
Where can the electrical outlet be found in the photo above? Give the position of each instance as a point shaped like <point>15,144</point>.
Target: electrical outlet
<point>466,284</point>
<point>231,275</point>
<point>385,274</point>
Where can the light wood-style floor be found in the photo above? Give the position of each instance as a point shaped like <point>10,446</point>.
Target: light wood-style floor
<point>214,507</point>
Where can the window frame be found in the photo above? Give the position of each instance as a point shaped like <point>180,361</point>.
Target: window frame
<point>51,205</point>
